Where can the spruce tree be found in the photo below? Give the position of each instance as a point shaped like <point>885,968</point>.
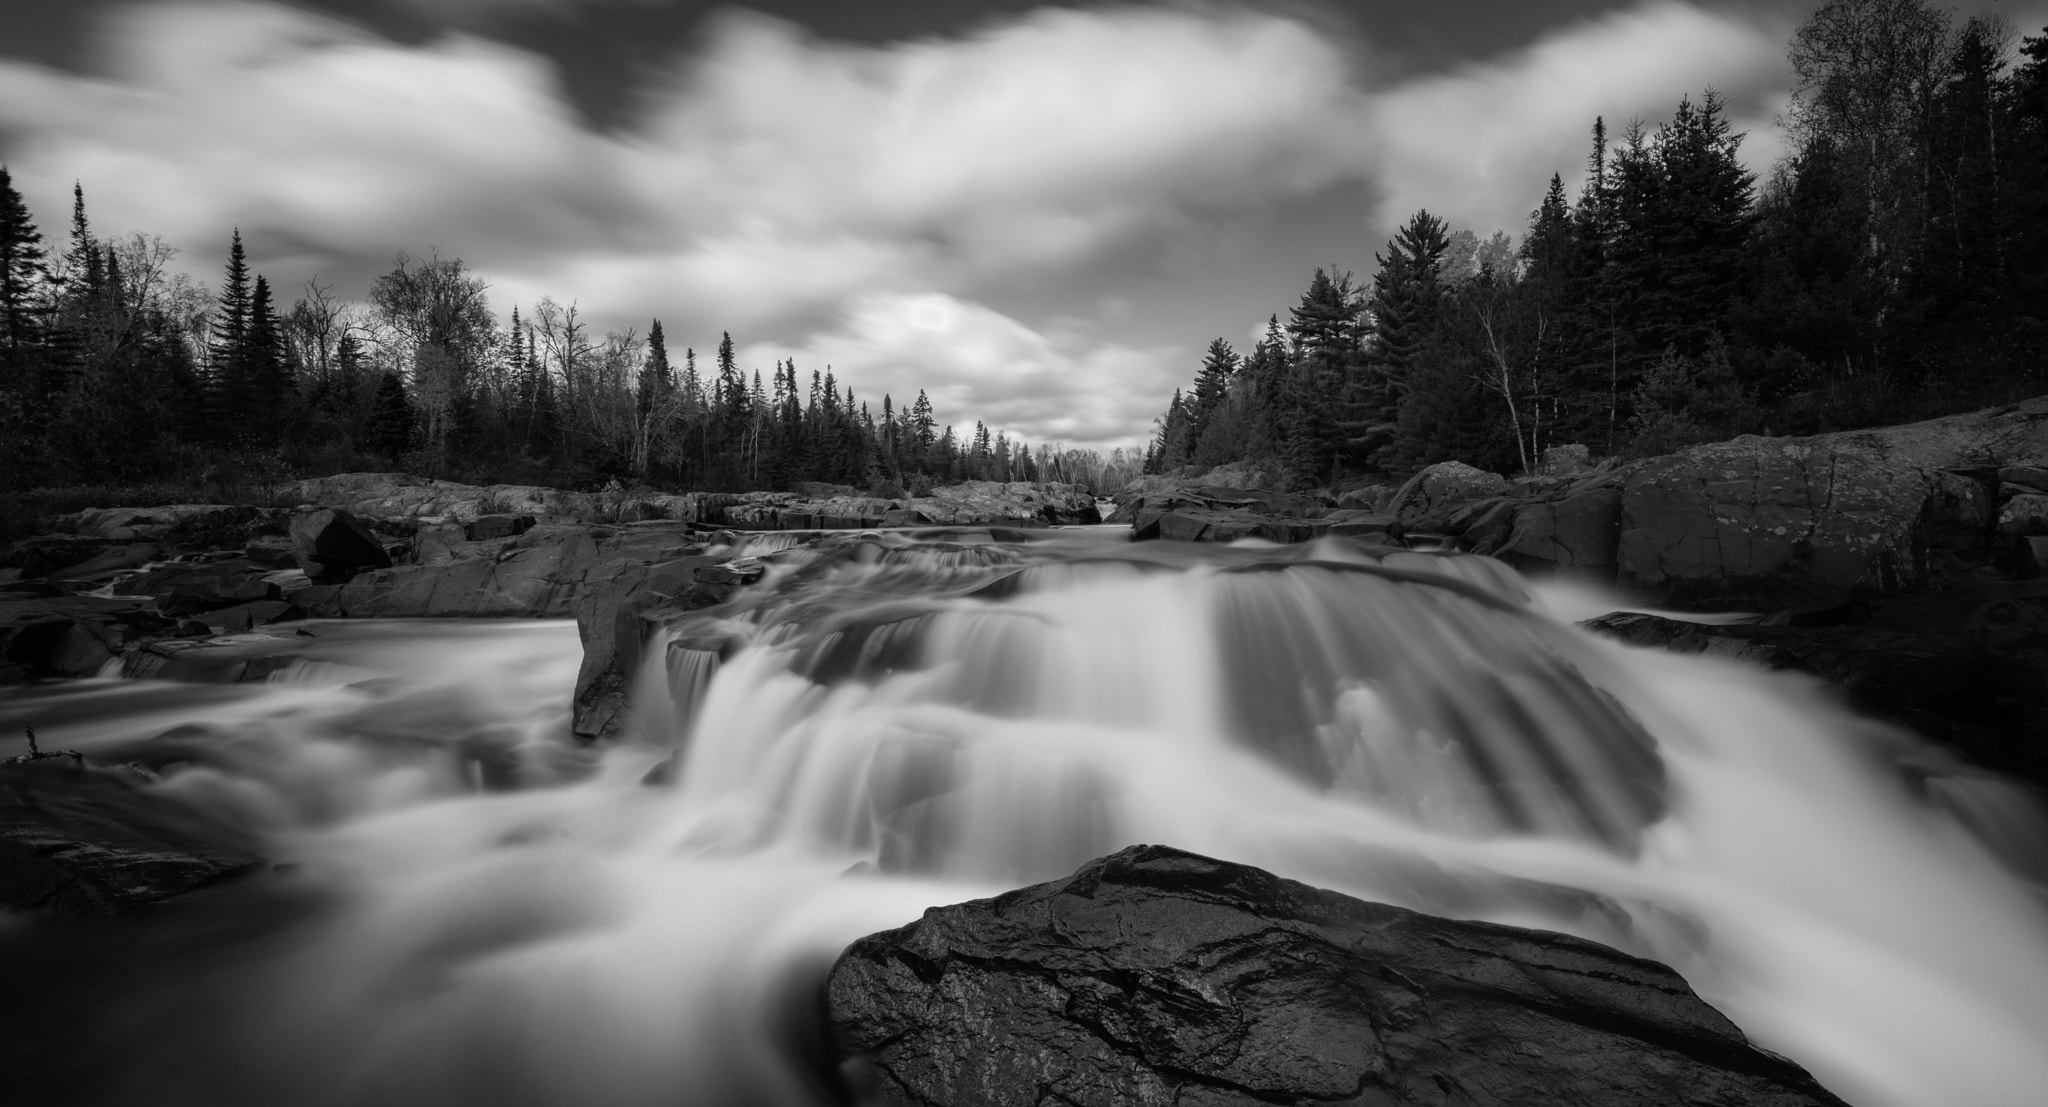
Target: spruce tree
<point>267,382</point>
<point>1212,383</point>
<point>228,368</point>
<point>24,307</point>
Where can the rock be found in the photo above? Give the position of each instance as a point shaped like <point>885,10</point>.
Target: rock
<point>2026,513</point>
<point>88,842</point>
<point>189,588</point>
<point>130,523</point>
<point>1565,461</point>
<point>1372,497</point>
<point>905,517</point>
<point>737,571</point>
<point>333,546</point>
<point>1157,976</point>
<point>1966,667</point>
<point>109,563</point>
<point>1574,537</point>
<point>2015,435</point>
<point>486,527</point>
<point>616,622</point>
<point>248,616</point>
<point>2024,478</point>
<point>1778,522</point>
<point>2033,555</point>
<point>275,551</point>
<point>1364,524</point>
<point>1961,506</point>
<point>70,636</point>
<point>538,575</point>
<point>1426,501</point>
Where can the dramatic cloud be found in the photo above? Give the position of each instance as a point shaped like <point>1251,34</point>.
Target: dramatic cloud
<point>1475,144</point>
<point>788,188</point>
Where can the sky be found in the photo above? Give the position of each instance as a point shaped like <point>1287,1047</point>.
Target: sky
<point>1039,213</point>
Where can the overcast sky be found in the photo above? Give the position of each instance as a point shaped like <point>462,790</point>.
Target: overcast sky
<point>1039,213</point>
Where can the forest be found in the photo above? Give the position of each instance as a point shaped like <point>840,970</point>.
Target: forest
<point>118,372</point>
<point>1892,267</point>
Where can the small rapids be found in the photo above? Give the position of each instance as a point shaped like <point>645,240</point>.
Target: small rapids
<point>470,909</point>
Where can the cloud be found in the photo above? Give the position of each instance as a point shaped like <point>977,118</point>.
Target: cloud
<point>976,363</point>
<point>1475,143</point>
<point>784,187</point>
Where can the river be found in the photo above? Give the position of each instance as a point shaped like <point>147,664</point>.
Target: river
<point>471,909</point>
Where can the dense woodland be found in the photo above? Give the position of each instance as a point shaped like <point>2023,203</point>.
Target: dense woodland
<point>116,371</point>
<point>1893,267</point>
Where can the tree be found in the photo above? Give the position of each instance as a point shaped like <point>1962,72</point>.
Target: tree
<point>1212,386</point>
<point>228,370</point>
<point>267,373</point>
<point>1865,73</point>
<point>24,311</point>
<point>436,320</point>
<point>391,426</point>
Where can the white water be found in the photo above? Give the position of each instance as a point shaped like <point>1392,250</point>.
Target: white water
<point>499,919</point>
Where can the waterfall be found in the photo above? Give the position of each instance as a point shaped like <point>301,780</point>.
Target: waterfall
<point>886,723</point>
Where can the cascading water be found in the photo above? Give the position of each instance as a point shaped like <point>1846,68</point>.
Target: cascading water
<point>475,913</point>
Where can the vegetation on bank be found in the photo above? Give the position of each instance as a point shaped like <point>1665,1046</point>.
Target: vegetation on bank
<point>118,374</point>
<point>1893,267</point>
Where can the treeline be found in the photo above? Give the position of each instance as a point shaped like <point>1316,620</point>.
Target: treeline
<point>113,369</point>
<point>1893,267</point>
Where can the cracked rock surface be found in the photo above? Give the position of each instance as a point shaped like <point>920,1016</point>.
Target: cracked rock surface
<point>1155,976</point>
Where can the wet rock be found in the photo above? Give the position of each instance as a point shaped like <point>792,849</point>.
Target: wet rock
<point>905,517</point>
<point>1157,976</point>
<point>333,546</point>
<point>618,620</point>
<point>1777,522</point>
<point>1966,667</point>
<point>89,842</point>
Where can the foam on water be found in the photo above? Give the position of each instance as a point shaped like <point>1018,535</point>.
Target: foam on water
<point>885,724</point>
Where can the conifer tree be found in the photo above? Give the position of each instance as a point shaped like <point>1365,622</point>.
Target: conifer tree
<point>228,368</point>
<point>24,308</point>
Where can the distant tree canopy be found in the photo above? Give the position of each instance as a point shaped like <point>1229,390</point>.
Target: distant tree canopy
<point>111,370</point>
<point>1893,266</point>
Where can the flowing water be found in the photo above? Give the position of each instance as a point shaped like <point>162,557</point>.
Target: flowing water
<point>470,909</point>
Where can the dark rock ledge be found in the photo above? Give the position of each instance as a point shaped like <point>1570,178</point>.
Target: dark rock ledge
<point>1155,976</point>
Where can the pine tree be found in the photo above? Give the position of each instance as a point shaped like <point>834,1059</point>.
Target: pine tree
<point>268,375</point>
<point>228,368</point>
<point>657,377</point>
<point>24,307</point>
<point>1212,384</point>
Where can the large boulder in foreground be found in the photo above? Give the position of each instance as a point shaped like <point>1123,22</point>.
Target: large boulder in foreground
<point>1157,976</point>
<point>1774,521</point>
